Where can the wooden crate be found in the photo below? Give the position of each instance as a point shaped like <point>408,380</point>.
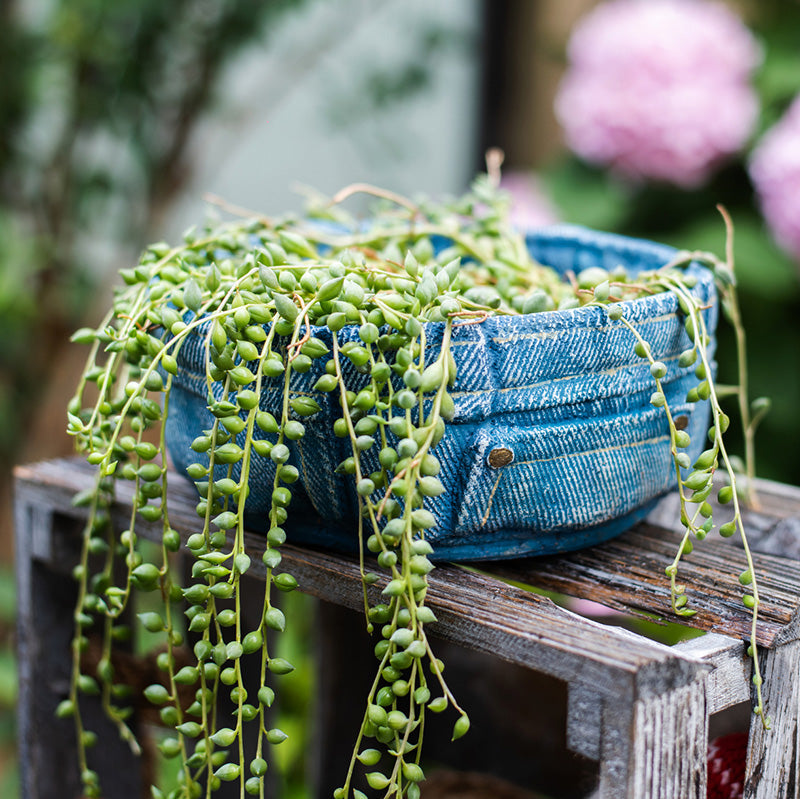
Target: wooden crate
<point>639,709</point>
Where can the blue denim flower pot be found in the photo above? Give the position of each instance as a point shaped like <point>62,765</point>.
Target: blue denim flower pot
<point>554,445</point>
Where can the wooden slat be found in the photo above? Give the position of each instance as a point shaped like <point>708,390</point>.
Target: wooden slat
<point>627,574</point>
<point>772,528</point>
<point>773,756</point>
<point>778,499</point>
<point>473,609</point>
<point>670,745</point>
<point>729,681</point>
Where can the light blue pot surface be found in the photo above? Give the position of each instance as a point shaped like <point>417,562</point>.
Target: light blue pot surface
<point>563,391</point>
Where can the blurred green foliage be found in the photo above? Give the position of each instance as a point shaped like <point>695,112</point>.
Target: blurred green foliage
<point>297,696</point>
<point>98,104</point>
<point>9,774</point>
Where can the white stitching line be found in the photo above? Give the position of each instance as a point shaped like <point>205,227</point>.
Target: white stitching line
<point>612,371</point>
<point>490,500</point>
<point>553,333</point>
<point>630,445</point>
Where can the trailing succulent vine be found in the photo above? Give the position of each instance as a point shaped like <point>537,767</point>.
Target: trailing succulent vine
<point>255,292</point>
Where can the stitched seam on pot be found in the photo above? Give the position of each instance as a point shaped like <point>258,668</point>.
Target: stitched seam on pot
<point>196,385</point>
<point>555,333</point>
<point>614,370</point>
<point>490,500</point>
<point>630,445</point>
<point>194,382</point>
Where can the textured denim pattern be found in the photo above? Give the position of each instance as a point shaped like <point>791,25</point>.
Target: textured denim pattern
<point>563,391</point>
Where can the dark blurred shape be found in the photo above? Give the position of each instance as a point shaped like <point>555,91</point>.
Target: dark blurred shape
<point>726,759</point>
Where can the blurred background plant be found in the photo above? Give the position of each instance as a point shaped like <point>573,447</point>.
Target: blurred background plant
<point>98,102</point>
<point>118,116</point>
<point>637,116</point>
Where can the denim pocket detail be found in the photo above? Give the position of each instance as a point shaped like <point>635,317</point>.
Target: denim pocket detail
<point>574,475</point>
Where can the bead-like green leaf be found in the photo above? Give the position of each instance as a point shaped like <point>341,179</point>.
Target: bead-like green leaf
<point>286,308</point>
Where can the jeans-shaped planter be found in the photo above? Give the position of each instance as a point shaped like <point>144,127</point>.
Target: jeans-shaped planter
<point>554,444</point>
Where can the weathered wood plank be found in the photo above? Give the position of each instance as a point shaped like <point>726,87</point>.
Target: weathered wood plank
<point>773,757</point>
<point>670,743</point>
<point>728,682</point>
<point>778,499</point>
<point>627,574</point>
<point>773,528</point>
<point>655,748</point>
<point>472,609</point>
<point>584,721</point>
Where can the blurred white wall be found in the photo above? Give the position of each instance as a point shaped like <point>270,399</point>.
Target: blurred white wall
<point>384,91</point>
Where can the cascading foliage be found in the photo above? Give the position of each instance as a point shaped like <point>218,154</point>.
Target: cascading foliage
<point>255,291</point>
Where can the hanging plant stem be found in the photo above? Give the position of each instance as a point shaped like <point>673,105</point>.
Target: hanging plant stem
<point>370,313</point>
<point>695,488</point>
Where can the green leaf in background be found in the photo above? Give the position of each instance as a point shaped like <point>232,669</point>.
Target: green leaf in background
<point>778,79</point>
<point>8,679</point>
<point>762,268</point>
<point>8,596</point>
<point>769,296</point>
<point>585,195</point>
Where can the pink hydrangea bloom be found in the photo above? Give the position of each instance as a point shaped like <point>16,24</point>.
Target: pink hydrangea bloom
<point>775,172</point>
<point>530,206</point>
<point>659,89</point>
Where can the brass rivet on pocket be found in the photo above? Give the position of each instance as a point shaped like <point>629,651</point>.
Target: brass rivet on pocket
<point>499,457</point>
<point>681,422</point>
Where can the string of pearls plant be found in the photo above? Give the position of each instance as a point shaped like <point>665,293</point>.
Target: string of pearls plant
<point>254,290</point>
